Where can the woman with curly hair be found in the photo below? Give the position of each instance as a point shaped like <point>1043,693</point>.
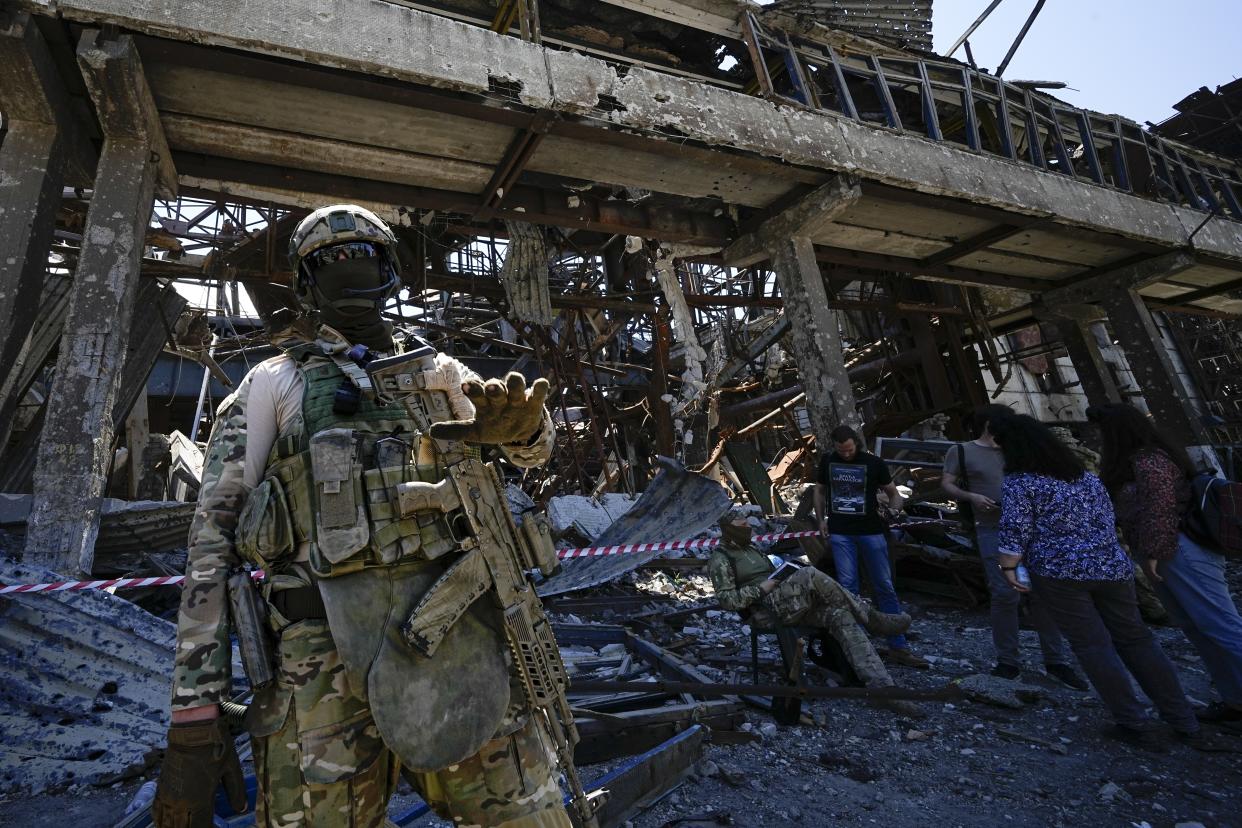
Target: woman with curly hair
<point>1148,477</point>
<point>1058,520</point>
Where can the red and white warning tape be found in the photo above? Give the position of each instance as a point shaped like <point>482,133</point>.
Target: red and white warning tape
<point>119,583</point>
<point>563,554</point>
<point>666,546</point>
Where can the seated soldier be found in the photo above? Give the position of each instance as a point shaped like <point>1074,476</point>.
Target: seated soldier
<point>808,598</point>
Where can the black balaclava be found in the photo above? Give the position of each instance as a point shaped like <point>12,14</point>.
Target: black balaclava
<point>357,318</point>
<point>735,535</point>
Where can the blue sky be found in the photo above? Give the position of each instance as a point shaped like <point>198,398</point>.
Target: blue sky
<point>1132,57</point>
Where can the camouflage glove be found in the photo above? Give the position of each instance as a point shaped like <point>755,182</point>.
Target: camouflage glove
<point>200,757</point>
<point>504,412</point>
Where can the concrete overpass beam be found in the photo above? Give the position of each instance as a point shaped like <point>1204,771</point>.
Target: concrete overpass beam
<point>785,240</point>
<point>76,449</point>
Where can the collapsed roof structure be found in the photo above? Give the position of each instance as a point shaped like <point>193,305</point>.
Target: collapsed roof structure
<point>647,202</point>
<point>720,229</point>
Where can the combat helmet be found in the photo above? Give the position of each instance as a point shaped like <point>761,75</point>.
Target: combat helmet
<point>342,231</point>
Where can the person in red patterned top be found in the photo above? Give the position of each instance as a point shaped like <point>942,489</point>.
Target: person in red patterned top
<point>1148,477</point>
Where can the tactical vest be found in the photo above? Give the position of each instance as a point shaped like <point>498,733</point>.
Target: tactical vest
<point>333,483</point>
<point>749,564</point>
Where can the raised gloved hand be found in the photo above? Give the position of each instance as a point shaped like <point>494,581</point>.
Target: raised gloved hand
<point>504,412</point>
<point>200,757</point>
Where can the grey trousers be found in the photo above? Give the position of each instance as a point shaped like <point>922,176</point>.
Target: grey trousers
<point>1004,610</point>
<point>1102,622</point>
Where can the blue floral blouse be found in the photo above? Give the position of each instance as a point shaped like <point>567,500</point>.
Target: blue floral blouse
<point>1062,530</point>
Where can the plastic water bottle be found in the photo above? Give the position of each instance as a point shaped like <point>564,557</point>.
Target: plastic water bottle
<point>142,799</point>
<point>1023,577</point>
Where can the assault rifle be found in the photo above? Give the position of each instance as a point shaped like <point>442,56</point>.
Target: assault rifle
<point>499,558</point>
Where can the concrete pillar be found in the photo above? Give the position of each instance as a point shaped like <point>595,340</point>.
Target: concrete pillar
<point>785,240</point>
<point>43,147</point>
<point>1075,328</point>
<point>1166,396</point>
<point>76,448</point>
<point>935,368</point>
<point>815,337</point>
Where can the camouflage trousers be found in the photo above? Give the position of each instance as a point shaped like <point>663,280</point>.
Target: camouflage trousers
<point>321,762</point>
<point>811,598</point>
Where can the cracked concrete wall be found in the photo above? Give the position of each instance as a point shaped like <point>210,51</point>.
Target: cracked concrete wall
<point>393,41</point>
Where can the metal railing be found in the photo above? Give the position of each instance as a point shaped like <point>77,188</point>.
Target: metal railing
<point>951,102</point>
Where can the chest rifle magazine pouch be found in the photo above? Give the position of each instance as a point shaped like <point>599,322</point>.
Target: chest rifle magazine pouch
<point>341,526</point>
<point>264,528</point>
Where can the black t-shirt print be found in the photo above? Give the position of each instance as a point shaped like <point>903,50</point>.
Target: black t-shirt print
<point>850,489</point>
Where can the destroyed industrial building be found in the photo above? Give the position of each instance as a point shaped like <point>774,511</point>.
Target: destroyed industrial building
<point>719,229</point>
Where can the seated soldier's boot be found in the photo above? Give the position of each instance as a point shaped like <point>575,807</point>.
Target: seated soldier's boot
<point>871,619</point>
<point>885,623</point>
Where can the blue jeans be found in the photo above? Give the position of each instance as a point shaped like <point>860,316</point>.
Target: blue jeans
<point>1004,609</point>
<point>1195,594</point>
<point>873,550</point>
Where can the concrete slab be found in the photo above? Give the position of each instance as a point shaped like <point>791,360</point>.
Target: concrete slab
<point>710,175</point>
<point>290,149</point>
<point>391,41</point>
<point>222,96</point>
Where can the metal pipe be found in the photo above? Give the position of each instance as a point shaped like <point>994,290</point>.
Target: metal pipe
<point>948,692</point>
<point>978,22</point>
<point>202,394</point>
<point>1030,21</point>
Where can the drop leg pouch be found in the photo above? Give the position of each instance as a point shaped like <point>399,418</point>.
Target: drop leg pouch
<point>432,712</point>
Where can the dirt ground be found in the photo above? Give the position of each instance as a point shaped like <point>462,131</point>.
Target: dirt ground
<point>962,764</point>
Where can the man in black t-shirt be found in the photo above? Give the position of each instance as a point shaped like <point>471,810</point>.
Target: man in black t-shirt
<point>849,517</point>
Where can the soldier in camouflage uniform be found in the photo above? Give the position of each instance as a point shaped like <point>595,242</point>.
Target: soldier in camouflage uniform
<point>1089,459</point>
<point>332,732</point>
<point>809,598</point>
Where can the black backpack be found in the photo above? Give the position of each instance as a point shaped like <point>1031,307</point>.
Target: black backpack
<point>1214,518</point>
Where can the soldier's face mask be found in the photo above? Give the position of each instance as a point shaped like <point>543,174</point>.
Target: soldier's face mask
<point>349,284</point>
<point>736,532</point>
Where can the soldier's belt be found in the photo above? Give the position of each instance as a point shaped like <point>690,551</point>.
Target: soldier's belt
<point>300,604</point>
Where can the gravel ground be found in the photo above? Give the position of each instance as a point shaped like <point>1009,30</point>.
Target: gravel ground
<point>962,764</point>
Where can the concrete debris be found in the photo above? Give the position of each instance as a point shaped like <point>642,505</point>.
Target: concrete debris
<point>525,273</point>
<point>85,694</point>
<point>587,515</point>
<point>185,467</point>
<point>125,526</point>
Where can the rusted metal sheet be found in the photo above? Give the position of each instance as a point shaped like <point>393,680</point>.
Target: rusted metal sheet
<point>905,23</point>
<point>142,526</point>
<point>85,694</point>
<point>678,504</point>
